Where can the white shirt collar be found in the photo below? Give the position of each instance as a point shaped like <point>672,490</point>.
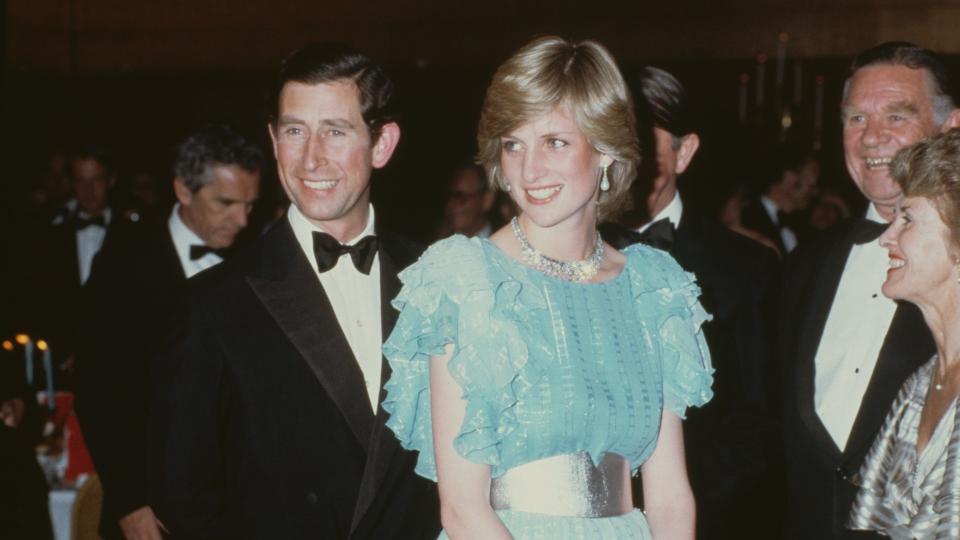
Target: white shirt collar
<point>874,215</point>
<point>303,229</point>
<point>672,211</point>
<point>183,238</point>
<point>771,208</point>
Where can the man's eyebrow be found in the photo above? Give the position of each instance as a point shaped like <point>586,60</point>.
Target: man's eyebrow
<point>288,119</point>
<point>338,123</point>
<point>902,106</point>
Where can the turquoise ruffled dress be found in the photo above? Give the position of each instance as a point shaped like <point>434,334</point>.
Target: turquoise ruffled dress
<point>547,366</point>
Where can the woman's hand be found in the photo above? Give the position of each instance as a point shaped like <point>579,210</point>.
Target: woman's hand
<point>464,486</point>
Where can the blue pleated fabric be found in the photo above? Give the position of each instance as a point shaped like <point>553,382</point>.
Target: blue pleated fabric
<point>547,366</point>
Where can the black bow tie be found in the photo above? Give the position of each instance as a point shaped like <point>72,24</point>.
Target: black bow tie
<point>328,251</point>
<point>867,230</point>
<point>197,251</point>
<point>659,234</point>
<point>82,223</point>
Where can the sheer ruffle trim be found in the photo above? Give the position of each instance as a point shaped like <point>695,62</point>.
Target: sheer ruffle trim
<point>453,295</point>
<point>668,296</point>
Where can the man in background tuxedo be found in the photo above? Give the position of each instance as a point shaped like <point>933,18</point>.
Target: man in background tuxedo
<point>731,442</point>
<point>132,293</point>
<point>62,256</point>
<point>789,183</point>
<point>847,349</point>
<point>469,203</point>
<point>269,424</point>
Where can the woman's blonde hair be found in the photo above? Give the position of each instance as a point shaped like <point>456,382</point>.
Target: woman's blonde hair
<point>584,77</point>
<point>931,169</point>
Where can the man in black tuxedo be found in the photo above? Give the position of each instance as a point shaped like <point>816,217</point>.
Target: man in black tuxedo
<point>132,292</point>
<point>64,256</point>
<point>788,183</point>
<point>731,442</point>
<point>847,349</point>
<point>270,424</point>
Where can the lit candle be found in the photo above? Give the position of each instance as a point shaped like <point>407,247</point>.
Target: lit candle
<point>818,111</point>
<point>48,369</point>
<point>782,40</point>
<point>744,81</point>
<point>24,340</point>
<point>797,83</point>
<point>761,72</point>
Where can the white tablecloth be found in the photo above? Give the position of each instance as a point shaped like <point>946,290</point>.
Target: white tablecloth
<point>61,507</point>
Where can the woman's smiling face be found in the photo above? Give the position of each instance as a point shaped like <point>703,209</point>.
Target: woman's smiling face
<point>922,255</point>
<point>552,169</point>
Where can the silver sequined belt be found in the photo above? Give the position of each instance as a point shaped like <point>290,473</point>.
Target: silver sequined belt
<point>566,485</point>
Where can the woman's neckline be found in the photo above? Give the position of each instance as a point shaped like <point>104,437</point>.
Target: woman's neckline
<point>515,262</point>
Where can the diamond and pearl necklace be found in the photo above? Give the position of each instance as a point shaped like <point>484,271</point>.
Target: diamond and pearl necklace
<point>582,270</point>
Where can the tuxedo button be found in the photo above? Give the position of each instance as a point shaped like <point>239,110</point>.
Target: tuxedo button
<point>843,474</point>
<point>312,498</point>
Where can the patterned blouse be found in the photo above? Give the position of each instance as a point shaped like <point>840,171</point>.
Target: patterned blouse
<point>903,495</point>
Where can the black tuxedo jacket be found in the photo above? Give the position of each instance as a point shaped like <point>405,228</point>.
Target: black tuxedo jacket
<point>731,442</point>
<point>131,295</point>
<point>819,474</point>
<point>754,216</point>
<point>262,424</point>
<point>56,304</point>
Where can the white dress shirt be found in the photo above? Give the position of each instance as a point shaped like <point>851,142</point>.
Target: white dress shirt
<point>183,238</point>
<point>89,242</point>
<point>787,236</point>
<point>856,328</point>
<point>672,211</point>
<point>355,298</point>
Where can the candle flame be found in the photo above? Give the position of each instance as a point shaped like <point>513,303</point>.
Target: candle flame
<point>7,345</point>
<point>41,344</point>
<point>22,339</point>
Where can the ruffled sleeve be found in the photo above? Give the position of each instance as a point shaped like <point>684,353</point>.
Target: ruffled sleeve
<point>668,297</point>
<point>450,297</point>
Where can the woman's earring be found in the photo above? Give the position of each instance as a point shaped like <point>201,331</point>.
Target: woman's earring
<point>604,181</point>
<point>506,187</point>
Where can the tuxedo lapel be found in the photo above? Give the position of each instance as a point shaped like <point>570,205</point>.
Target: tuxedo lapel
<point>907,346</point>
<point>383,445</point>
<point>289,289</point>
<point>171,260</point>
<point>824,288</point>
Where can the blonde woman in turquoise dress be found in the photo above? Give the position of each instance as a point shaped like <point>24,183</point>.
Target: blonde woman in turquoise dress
<point>537,370</point>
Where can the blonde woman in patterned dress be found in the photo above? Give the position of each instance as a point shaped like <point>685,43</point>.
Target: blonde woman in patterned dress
<point>910,481</point>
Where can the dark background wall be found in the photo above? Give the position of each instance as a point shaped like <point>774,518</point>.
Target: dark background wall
<point>138,75</point>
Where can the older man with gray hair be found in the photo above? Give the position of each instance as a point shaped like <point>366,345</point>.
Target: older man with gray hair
<point>133,286</point>
<point>846,347</point>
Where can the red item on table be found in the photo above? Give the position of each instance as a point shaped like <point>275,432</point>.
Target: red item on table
<point>78,458</point>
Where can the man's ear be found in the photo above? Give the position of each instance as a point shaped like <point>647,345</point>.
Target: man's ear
<point>952,121</point>
<point>385,145</point>
<point>689,144</point>
<point>183,193</point>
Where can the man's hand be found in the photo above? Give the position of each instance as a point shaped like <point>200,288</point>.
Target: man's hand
<point>142,524</point>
